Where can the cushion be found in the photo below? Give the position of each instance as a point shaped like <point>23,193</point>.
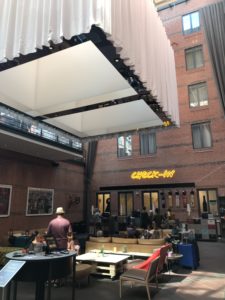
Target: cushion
<point>100,239</point>
<point>145,264</point>
<point>118,240</point>
<point>151,241</point>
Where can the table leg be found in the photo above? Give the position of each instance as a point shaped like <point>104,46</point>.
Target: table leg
<point>73,276</point>
<point>40,290</point>
<point>49,282</point>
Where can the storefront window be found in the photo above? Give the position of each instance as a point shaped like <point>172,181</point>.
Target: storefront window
<point>126,204</point>
<point>102,201</point>
<point>208,201</point>
<point>151,200</point>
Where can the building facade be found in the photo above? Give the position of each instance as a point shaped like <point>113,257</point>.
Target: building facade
<point>182,168</point>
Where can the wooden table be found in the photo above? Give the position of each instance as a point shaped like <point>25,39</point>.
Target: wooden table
<point>132,255</point>
<point>106,264</point>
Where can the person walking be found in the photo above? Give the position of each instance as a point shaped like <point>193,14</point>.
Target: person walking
<point>59,228</point>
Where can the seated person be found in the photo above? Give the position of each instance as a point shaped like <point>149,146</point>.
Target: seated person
<point>38,243</point>
<point>72,244</point>
<point>153,232</point>
<point>131,231</point>
<point>99,231</point>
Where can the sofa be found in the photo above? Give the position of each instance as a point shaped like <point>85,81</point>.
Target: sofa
<point>117,244</point>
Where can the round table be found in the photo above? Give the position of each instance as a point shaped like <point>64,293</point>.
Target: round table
<point>173,258</point>
<point>40,268</point>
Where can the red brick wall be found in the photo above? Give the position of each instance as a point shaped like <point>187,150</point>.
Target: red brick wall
<point>206,168</point>
<point>21,172</point>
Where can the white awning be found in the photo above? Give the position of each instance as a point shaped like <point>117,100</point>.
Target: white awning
<point>81,75</point>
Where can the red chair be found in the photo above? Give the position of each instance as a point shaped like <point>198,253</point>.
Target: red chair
<point>162,257</point>
<point>161,253</point>
<point>144,265</point>
<point>141,277</point>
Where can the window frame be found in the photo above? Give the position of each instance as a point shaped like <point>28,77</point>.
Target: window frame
<point>201,137</point>
<point>119,204</point>
<point>206,192</point>
<point>105,196</point>
<point>191,29</point>
<point>125,152</point>
<point>146,135</point>
<point>193,50</point>
<point>150,204</point>
<point>197,87</point>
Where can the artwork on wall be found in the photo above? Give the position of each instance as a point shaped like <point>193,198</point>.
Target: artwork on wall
<point>5,200</point>
<point>39,201</point>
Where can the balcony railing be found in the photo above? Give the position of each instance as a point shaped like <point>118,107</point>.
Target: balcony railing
<point>16,121</point>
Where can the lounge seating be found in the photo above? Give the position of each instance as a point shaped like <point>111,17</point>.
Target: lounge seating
<point>123,244</point>
<point>141,277</point>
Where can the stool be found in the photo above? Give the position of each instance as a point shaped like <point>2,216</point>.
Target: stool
<point>83,272</point>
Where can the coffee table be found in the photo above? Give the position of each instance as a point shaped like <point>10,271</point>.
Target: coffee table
<point>132,255</point>
<point>106,264</point>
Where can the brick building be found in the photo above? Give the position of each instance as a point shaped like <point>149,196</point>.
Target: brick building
<point>181,168</point>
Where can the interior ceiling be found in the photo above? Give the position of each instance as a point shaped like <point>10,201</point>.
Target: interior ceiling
<point>82,87</point>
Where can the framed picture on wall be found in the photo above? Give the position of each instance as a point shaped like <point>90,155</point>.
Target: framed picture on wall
<point>39,201</point>
<point>5,200</point>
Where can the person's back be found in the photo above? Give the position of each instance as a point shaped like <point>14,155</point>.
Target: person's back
<point>144,218</point>
<point>157,219</point>
<point>59,228</point>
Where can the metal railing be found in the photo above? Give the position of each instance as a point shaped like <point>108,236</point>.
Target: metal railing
<point>22,123</point>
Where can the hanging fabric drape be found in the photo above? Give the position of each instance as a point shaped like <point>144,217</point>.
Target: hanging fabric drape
<point>213,17</point>
<point>133,26</point>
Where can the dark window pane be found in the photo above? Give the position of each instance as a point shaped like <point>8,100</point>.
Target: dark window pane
<point>147,143</point>
<point>194,57</point>
<point>198,95</point>
<point>201,135</point>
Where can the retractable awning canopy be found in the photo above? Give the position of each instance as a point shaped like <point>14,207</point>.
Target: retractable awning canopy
<point>78,89</point>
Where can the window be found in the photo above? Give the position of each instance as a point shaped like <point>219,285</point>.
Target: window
<point>208,201</point>
<point>102,201</point>
<point>201,135</point>
<point>147,143</point>
<point>126,204</point>
<point>194,58</point>
<point>191,23</point>
<point>151,200</point>
<point>124,145</point>
<point>198,95</point>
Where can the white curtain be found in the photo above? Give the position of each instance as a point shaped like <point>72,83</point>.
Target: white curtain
<point>133,26</point>
<point>29,24</point>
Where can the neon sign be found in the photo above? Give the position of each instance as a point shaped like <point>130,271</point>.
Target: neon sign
<point>152,174</point>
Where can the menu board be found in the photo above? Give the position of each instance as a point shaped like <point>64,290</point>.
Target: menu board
<point>9,271</point>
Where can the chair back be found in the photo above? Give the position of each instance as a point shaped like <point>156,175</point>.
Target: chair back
<point>153,269</point>
<point>162,257</point>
